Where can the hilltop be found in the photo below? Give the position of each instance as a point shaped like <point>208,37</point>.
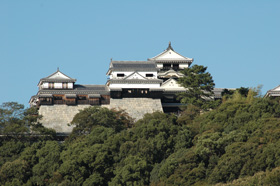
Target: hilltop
<point>236,143</point>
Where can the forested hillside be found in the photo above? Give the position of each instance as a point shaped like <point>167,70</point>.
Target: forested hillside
<point>235,144</point>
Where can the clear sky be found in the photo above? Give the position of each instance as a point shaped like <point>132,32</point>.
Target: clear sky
<point>238,40</point>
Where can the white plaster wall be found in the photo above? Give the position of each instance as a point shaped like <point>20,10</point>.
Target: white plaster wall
<point>182,65</point>
<point>70,85</point>
<point>58,75</point>
<point>57,85</point>
<point>172,85</point>
<point>277,88</point>
<point>114,74</point>
<point>45,85</point>
<point>160,65</point>
<point>144,75</point>
<point>170,55</point>
<point>134,86</point>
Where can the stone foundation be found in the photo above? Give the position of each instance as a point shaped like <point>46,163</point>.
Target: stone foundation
<point>58,116</point>
<point>137,107</point>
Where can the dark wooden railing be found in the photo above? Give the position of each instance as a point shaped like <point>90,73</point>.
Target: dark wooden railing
<point>104,100</point>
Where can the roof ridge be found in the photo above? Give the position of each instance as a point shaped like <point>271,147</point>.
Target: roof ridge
<point>169,46</point>
<point>168,49</point>
<point>57,72</point>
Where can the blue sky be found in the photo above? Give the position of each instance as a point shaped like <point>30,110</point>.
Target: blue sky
<point>237,40</point>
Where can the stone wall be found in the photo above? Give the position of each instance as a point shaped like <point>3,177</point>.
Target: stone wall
<point>58,116</point>
<point>137,107</point>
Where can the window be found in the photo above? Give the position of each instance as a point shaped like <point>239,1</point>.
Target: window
<point>144,91</point>
<point>57,97</point>
<point>149,75</point>
<point>82,97</point>
<point>46,99</point>
<point>167,66</point>
<point>175,66</point>
<point>120,75</point>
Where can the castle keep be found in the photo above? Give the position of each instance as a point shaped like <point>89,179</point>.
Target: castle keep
<point>138,87</point>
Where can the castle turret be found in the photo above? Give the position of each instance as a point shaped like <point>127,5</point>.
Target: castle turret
<point>57,80</point>
<point>133,79</point>
<point>59,99</point>
<point>170,62</point>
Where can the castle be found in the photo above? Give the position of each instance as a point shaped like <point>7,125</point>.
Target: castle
<point>138,87</point>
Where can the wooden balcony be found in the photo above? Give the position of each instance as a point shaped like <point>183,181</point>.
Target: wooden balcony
<point>103,100</point>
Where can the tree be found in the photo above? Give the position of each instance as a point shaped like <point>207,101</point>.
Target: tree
<point>134,170</point>
<point>14,173</point>
<point>199,85</point>
<point>11,119</point>
<point>91,117</point>
<point>17,122</point>
<point>48,161</point>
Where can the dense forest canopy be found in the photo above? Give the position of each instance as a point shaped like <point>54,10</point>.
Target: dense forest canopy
<point>236,143</point>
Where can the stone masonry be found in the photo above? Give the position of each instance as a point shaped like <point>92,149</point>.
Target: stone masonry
<point>137,107</point>
<point>58,117</point>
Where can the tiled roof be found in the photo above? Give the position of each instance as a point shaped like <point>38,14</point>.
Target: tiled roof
<point>94,95</point>
<point>273,92</point>
<point>134,81</point>
<point>170,60</point>
<point>78,89</point>
<point>70,95</point>
<point>218,91</point>
<point>57,80</point>
<point>168,51</point>
<point>67,79</point>
<point>132,66</point>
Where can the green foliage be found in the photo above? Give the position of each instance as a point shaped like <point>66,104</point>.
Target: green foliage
<point>231,163</point>
<point>239,138</point>
<point>260,179</point>
<point>10,151</point>
<point>91,117</point>
<point>133,170</point>
<point>180,168</point>
<point>48,162</point>
<point>17,122</point>
<point>237,143</point>
<point>14,173</point>
<point>11,119</point>
<point>162,134</point>
<point>199,84</point>
<point>90,159</point>
<point>243,91</point>
<point>188,114</point>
